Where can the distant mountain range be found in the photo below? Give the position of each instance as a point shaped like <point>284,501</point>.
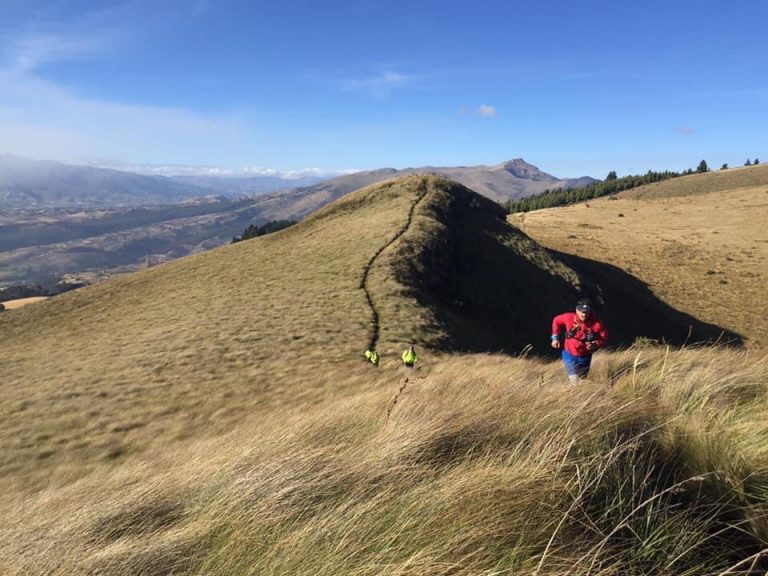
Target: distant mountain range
<point>26,183</point>
<point>241,186</point>
<point>503,182</point>
<point>123,220</point>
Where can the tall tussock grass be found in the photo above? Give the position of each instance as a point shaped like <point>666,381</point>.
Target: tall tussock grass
<point>485,464</point>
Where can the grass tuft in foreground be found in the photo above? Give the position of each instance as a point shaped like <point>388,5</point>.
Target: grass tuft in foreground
<point>485,465</point>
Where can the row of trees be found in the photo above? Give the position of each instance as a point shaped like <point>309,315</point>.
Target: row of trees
<point>747,163</point>
<point>564,196</point>
<point>272,226</point>
<point>52,288</point>
<point>611,185</point>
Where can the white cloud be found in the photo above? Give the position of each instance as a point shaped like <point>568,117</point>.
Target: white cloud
<point>43,120</point>
<point>378,86</point>
<point>487,111</point>
<point>185,170</point>
<point>27,53</point>
<point>484,111</point>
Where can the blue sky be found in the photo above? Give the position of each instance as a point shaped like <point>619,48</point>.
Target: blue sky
<point>575,87</point>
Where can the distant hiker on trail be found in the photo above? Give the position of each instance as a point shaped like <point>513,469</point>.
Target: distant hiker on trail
<point>373,357</point>
<point>409,357</point>
<point>584,334</point>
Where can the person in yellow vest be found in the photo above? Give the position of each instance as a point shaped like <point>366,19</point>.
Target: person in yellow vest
<point>409,357</point>
<point>372,356</point>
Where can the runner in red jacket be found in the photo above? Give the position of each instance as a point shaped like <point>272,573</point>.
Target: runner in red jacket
<point>584,333</point>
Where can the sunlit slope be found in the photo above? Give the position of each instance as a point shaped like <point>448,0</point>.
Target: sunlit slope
<point>695,184</point>
<point>699,242</point>
<point>198,343</point>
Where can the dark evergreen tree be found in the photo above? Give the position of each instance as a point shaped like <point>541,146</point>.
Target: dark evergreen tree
<point>611,175</point>
<point>252,231</point>
<point>748,162</point>
<point>756,162</point>
<point>702,167</point>
<point>724,166</point>
<point>561,197</point>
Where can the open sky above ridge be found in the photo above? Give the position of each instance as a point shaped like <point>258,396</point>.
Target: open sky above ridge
<point>577,88</point>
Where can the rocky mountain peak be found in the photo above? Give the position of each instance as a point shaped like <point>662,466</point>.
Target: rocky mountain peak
<point>522,169</point>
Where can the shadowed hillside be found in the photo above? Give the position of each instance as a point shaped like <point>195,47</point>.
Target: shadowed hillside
<point>699,243</point>
<point>632,311</point>
<point>491,288</point>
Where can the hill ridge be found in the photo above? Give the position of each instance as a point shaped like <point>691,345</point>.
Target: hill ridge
<point>704,183</point>
<point>366,272</point>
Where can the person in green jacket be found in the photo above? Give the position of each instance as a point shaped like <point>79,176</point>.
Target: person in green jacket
<point>373,357</point>
<point>409,357</point>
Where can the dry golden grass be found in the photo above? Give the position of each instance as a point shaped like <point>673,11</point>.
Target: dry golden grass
<point>95,374</point>
<point>485,465</point>
<point>215,416</point>
<point>14,304</point>
<point>699,242</point>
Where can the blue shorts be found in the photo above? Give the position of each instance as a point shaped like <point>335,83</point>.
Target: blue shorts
<point>576,365</point>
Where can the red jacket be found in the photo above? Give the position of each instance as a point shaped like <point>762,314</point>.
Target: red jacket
<point>577,334</point>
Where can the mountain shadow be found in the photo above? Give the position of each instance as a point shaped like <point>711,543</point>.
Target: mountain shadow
<point>492,288</point>
<point>631,310</point>
<point>489,286</point>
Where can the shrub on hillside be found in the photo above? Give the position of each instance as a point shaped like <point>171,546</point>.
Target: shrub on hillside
<point>272,226</point>
<point>20,291</point>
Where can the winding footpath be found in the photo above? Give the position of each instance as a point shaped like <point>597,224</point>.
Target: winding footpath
<point>366,271</point>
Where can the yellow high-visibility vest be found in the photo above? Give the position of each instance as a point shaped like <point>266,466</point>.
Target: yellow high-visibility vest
<point>409,357</point>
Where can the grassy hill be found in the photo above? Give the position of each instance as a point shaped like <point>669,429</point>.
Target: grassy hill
<point>215,415</point>
<point>708,182</point>
<point>698,242</point>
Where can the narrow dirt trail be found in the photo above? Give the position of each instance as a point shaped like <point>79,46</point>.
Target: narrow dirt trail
<point>366,271</point>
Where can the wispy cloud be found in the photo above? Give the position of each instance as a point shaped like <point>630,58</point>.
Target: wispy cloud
<point>43,120</point>
<point>378,86</point>
<point>218,172</point>
<point>487,111</point>
<point>27,53</point>
<point>484,111</point>
<point>685,130</point>
<point>54,35</point>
